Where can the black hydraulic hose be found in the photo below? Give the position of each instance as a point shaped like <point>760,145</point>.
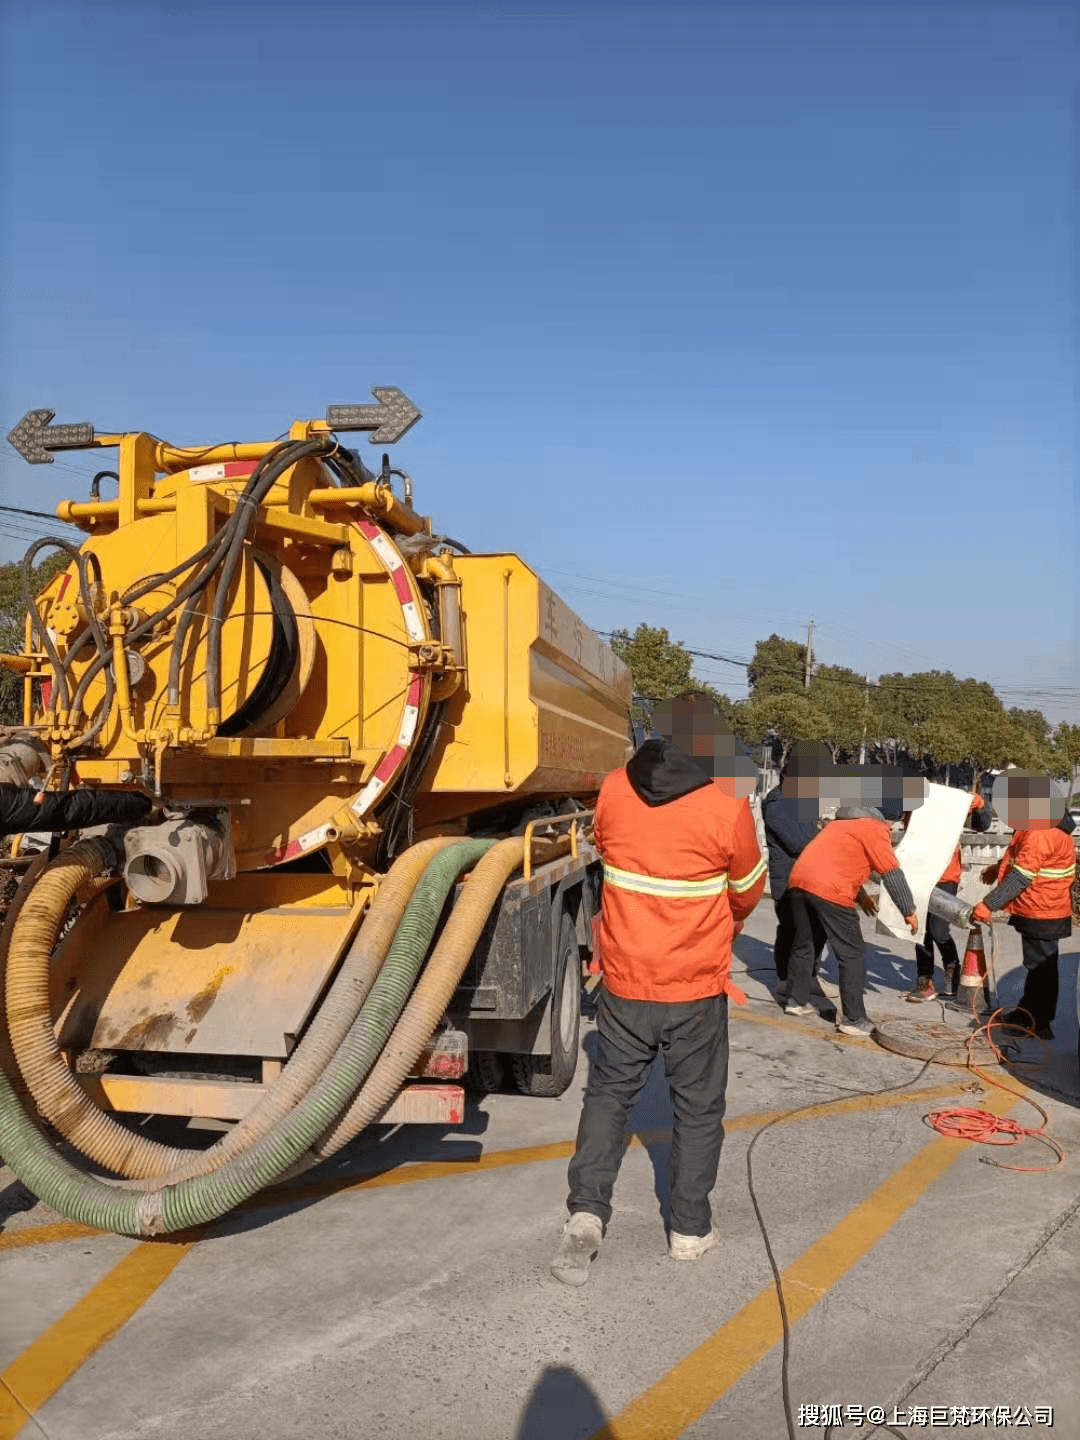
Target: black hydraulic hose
<point>404,792</point>
<point>219,546</point>
<point>244,517</point>
<point>208,558</point>
<point>61,692</point>
<point>85,560</point>
<point>144,587</point>
<point>95,483</point>
<point>280,665</point>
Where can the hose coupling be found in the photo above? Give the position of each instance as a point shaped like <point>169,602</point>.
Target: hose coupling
<point>173,863</point>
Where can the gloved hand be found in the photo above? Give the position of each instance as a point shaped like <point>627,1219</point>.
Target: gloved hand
<point>867,903</point>
<point>912,922</point>
<point>989,875</point>
<point>981,914</point>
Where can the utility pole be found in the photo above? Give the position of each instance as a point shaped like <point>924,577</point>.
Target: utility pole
<point>809,653</point>
<point>865,717</point>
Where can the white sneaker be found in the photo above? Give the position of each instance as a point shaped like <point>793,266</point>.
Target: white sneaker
<point>691,1247</point>
<point>792,1009</point>
<point>580,1241</point>
<point>861,1028</point>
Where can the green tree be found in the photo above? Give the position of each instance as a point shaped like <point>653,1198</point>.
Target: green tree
<point>787,716</point>
<point>1034,722</point>
<point>660,667</point>
<point>1066,754</point>
<point>843,696</point>
<point>778,667</point>
<point>12,619</point>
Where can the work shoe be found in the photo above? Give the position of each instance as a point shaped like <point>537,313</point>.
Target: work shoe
<point>580,1241</point>
<point>862,1028</point>
<point>952,981</point>
<point>924,989</point>
<point>792,1009</point>
<point>827,988</point>
<point>691,1247</point>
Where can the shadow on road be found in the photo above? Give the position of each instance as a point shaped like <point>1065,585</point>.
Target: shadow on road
<point>562,1406</point>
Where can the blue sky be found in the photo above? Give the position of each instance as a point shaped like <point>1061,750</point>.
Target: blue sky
<point>723,316</point>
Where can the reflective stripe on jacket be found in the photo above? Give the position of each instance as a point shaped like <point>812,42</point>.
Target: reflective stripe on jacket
<point>1047,860</point>
<point>677,878</point>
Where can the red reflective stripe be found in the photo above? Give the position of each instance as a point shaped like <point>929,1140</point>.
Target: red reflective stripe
<point>415,690</point>
<point>287,852</point>
<point>390,763</point>
<point>401,585</point>
<point>63,585</point>
<point>234,469</point>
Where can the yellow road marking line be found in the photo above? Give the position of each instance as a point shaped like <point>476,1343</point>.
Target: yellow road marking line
<point>498,1159</point>
<point>695,1384</point>
<point>47,1234</point>
<point>563,1149</point>
<point>47,1364</point>
<point>54,1357</point>
<point>793,1027</point>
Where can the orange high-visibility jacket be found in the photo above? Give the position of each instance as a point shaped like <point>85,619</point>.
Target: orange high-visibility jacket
<point>677,878</point>
<point>1047,858</point>
<point>838,861</point>
<point>955,870</point>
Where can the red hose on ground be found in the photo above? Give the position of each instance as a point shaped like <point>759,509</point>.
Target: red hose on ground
<point>964,1122</point>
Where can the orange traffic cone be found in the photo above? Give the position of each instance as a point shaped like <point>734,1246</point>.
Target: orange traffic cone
<point>973,975</point>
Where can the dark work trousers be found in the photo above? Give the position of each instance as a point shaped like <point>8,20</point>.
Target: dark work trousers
<point>939,934</point>
<point>692,1036</point>
<point>785,936</point>
<point>841,926</point>
<point>1041,980</point>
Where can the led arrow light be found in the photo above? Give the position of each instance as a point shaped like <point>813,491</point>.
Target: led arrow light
<point>33,437</point>
<point>388,420</point>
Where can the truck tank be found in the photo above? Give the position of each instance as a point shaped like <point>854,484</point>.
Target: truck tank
<point>337,713</point>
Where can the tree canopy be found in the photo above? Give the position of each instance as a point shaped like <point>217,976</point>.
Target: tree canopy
<point>930,717</point>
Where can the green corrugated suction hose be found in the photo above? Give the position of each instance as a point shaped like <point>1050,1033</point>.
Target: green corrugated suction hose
<point>91,1201</point>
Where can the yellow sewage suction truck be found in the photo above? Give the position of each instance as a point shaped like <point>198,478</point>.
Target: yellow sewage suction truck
<point>370,756</point>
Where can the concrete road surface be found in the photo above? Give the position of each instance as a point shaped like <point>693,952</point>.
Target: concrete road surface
<point>404,1291</point>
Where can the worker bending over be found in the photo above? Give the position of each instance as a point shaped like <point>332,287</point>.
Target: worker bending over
<point>682,871</point>
<point>826,882</point>
<point>1034,885</point>
<point>937,929</point>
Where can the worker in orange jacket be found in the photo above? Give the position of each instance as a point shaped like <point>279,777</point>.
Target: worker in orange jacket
<point>827,882</point>
<point>1034,885</point>
<point>937,929</point>
<point>682,871</point>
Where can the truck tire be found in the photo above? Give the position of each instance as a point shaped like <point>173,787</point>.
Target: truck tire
<point>550,1075</point>
<point>485,1074</point>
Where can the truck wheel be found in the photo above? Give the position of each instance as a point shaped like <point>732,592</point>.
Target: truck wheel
<point>550,1075</point>
<point>485,1074</point>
